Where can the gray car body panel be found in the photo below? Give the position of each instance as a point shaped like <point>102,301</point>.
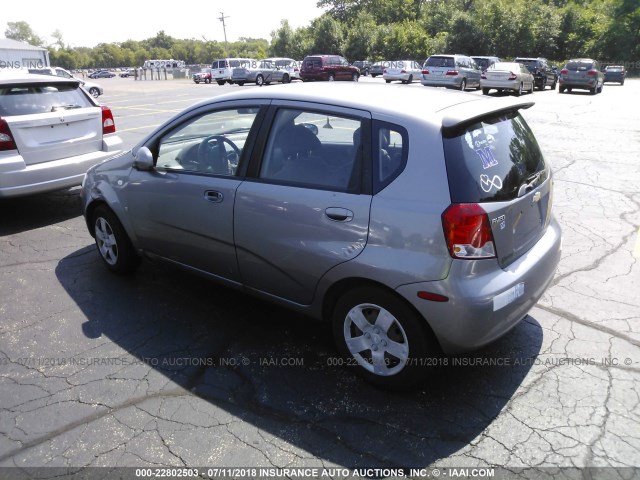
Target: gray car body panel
<point>396,238</point>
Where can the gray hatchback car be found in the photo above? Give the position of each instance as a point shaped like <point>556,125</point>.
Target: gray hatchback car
<point>414,231</point>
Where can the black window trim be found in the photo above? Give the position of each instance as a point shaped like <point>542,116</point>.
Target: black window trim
<point>379,185</point>
<point>262,137</point>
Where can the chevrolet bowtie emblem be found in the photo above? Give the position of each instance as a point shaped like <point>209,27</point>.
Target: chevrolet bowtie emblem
<point>536,197</point>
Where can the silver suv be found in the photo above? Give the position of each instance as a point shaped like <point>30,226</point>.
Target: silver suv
<point>414,231</point>
<point>451,71</point>
<point>93,88</point>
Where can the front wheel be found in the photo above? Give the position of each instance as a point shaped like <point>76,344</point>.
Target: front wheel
<point>332,77</point>
<point>112,242</point>
<point>383,337</point>
<point>220,82</point>
<point>95,93</point>
<point>286,79</point>
<point>485,91</point>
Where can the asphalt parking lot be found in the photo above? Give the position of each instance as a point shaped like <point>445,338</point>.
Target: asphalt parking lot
<point>164,369</point>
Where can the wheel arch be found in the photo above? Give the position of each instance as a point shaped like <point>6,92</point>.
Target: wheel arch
<point>339,288</point>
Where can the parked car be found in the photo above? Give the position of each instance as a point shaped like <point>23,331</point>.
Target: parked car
<point>328,67</point>
<point>129,72</point>
<point>318,197</point>
<point>405,71</point>
<point>377,68</point>
<point>451,71</point>
<point>507,76</point>
<point>543,72</point>
<point>614,73</point>
<point>93,88</point>
<point>364,66</point>
<point>202,77</point>
<point>582,74</point>
<point>484,62</point>
<point>291,66</point>
<point>102,74</point>
<point>51,132</point>
<point>263,73</point>
<point>222,69</point>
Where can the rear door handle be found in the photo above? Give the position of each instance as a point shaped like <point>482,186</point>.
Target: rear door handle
<point>213,196</point>
<point>339,214</point>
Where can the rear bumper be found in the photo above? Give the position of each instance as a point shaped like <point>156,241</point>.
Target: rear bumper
<point>441,80</point>
<point>486,301</point>
<point>580,84</point>
<point>18,179</point>
<point>503,84</point>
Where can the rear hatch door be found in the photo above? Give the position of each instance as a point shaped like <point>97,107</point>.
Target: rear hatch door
<point>495,161</point>
<point>51,120</point>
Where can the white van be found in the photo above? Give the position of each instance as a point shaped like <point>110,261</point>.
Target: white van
<point>222,68</point>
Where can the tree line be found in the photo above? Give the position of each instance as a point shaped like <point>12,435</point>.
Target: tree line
<point>608,30</point>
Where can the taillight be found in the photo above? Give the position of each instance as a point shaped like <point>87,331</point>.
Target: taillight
<point>564,71</point>
<point>452,72</point>
<point>592,73</point>
<point>425,72</point>
<point>108,125</point>
<point>467,231</point>
<point>512,77</point>
<point>403,71</point>
<point>6,139</point>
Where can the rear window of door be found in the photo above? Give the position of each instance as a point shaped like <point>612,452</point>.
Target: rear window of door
<point>493,160</point>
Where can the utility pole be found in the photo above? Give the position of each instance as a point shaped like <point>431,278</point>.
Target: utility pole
<point>224,28</point>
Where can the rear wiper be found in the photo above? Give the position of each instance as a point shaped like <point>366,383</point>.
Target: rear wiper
<point>69,106</point>
<point>530,184</point>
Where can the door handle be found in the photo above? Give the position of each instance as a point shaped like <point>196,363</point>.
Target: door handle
<point>339,214</point>
<point>213,196</point>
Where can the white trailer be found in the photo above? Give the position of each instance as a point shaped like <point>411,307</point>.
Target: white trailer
<point>14,54</point>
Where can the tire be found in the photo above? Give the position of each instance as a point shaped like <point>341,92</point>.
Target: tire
<point>553,85</point>
<point>599,90</point>
<point>569,89</point>
<point>410,80</point>
<point>240,84</point>
<point>259,80</point>
<point>463,85</point>
<point>354,77</point>
<point>220,82</point>
<point>95,93</point>
<point>560,89</point>
<point>388,81</point>
<point>207,80</point>
<point>593,90</point>
<point>286,79</point>
<point>332,77</point>
<point>519,91</point>
<point>485,91</point>
<point>531,89</point>
<point>622,83</point>
<point>114,246</point>
<point>197,82</point>
<point>403,338</point>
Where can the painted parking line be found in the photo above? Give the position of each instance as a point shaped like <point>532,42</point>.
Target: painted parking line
<point>636,250</point>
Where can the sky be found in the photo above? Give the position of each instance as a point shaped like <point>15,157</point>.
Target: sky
<point>86,24</point>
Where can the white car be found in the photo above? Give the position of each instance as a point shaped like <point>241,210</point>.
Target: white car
<point>511,76</point>
<point>93,88</point>
<point>51,132</point>
<point>405,71</point>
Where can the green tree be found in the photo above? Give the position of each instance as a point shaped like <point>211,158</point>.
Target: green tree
<point>21,31</point>
<point>327,35</point>
<point>282,41</point>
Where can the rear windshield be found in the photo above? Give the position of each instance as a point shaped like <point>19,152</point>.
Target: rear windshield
<point>26,99</point>
<point>312,62</point>
<point>435,61</point>
<point>579,66</point>
<point>489,161</point>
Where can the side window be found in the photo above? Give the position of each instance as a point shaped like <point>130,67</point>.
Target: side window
<point>314,149</point>
<point>209,144</point>
<point>390,149</point>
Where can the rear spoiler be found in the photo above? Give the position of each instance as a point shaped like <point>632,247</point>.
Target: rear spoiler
<point>459,117</point>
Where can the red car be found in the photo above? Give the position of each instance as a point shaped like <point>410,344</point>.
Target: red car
<point>328,67</point>
<point>204,76</point>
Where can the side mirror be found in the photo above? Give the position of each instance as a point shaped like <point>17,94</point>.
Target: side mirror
<point>143,160</point>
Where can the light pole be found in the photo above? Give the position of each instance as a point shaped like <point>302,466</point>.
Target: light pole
<point>224,29</point>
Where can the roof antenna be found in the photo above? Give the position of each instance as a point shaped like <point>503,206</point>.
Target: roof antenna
<point>328,124</point>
